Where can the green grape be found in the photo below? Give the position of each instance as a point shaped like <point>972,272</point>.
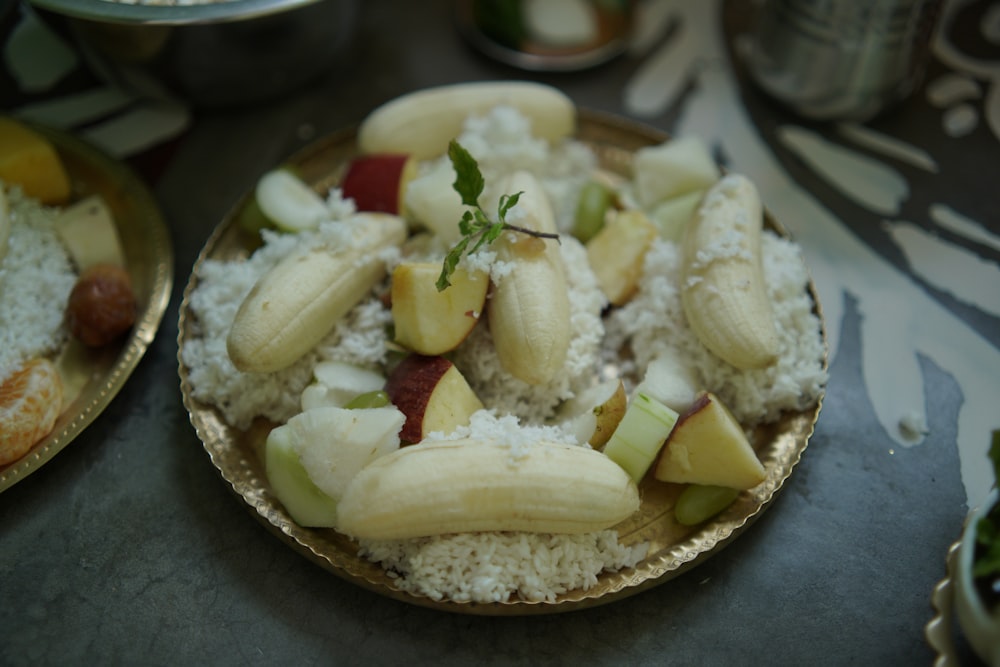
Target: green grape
<point>251,218</point>
<point>700,502</point>
<point>595,200</point>
<point>371,399</point>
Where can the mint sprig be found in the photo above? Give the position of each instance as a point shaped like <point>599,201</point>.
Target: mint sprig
<point>475,226</point>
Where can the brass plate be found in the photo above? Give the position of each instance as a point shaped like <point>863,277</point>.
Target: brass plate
<point>94,377</point>
<point>672,548</point>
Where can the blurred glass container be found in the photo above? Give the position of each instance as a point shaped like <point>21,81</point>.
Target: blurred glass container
<point>841,59</point>
<point>209,54</point>
<point>547,35</point>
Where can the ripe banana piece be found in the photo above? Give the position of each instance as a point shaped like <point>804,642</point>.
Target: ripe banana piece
<point>295,304</point>
<point>458,486</point>
<point>529,307</point>
<point>423,122</point>
<point>722,280</point>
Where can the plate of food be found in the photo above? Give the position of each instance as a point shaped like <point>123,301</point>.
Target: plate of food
<point>86,273</point>
<point>493,354</point>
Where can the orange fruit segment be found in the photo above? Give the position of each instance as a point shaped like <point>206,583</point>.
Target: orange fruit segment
<point>30,403</point>
<point>28,159</point>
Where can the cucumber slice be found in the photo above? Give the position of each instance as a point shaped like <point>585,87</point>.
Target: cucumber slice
<point>312,458</point>
<point>671,216</point>
<point>336,383</point>
<point>640,435</point>
<point>303,500</point>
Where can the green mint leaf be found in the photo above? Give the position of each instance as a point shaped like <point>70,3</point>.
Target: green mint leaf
<point>507,202</point>
<point>475,226</point>
<point>494,232</point>
<point>465,225</point>
<point>450,263</point>
<point>469,181</point>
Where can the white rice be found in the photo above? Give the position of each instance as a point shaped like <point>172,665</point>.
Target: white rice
<point>493,567</point>
<point>36,278</point>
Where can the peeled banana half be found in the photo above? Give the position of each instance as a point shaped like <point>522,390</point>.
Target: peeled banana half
<point>297,303</point>
<point>723,292</point>
<point>437,488</point>
<point>423,122</point>
<point>529,308</point>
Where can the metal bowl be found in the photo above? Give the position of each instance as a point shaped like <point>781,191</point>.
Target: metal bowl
<point>211,54</point>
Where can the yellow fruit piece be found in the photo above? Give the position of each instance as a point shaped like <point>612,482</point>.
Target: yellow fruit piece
<point>89,232</point>
<point>617,253</point>
<point>28,159</point>
<point>30,403</point>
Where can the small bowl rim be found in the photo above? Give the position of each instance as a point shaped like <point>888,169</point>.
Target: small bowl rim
<point>216,11</point>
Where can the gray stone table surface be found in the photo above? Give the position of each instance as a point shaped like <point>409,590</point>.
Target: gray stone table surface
<point>127,547</point>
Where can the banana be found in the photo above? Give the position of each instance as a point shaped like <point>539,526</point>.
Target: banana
<point>529,307</point>
<point>722,281</point>
<point>294,305</point>
<point>469,485</point>
<point>423,122</point>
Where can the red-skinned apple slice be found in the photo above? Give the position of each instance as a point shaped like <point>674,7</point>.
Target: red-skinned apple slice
<point>432,322</point>
<point>433,394</point>
<point>708,446</point>
<point>378,182</point>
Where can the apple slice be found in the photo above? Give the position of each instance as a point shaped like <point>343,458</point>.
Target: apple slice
<point>708,446</point>
<point>337,382</point>
<point>430,322</point>
<point>433,394</point>
<point>88,230</point>
<point>673,168</point>
<point>595,413</point>
<point>379,182</point>
<point>670,380</point>
<point>616,254</point>
<point>288,202</point>
<point>434,203</point>
<point>640,435</point>
<point>312,458</point>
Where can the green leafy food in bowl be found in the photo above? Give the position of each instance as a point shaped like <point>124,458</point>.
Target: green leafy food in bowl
<point>986,566</point>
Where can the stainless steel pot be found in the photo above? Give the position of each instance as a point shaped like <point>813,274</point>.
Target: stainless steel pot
<point>214,54</point>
